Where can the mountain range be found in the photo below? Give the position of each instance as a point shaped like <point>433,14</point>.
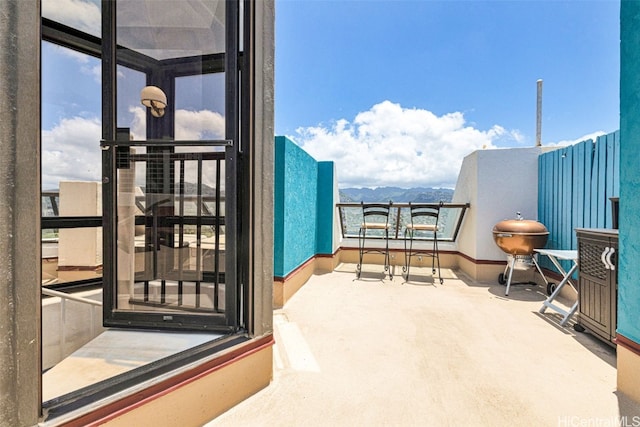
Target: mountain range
<point>396,194</point>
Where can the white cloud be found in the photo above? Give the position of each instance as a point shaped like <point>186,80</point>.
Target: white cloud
<point>190,125</point>
<point>593,136</point>
<point>88,65</point>
<point>203,124</point>
<point>394,146</point>
<point>138,126</point>
<point>71,152</point>
<point>79,57</point>
<point>81,14</point>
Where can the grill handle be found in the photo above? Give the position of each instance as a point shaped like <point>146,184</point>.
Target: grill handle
<point>504,235</point>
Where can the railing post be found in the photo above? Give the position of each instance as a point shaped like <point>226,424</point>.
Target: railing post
<point>398,221</point>
<point>63,319</point>
<point>451,228</point>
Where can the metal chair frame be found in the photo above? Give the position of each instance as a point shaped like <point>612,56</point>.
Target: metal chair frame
<point>430,215</point>
<point>370,211</point>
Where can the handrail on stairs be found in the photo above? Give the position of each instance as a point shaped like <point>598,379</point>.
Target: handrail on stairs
<point>71,297</point>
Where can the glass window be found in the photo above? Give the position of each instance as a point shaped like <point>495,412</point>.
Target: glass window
<point>71,163</point>
<point>71,125</point>
<point>170,267</point>
<point>131,113</point>
<point>199,107</point>
<point>171,243</point>
<point>451,216</point>
<point>171,28</point>
<point>83,15</point>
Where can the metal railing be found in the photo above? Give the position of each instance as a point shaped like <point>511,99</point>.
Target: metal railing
<point>450,221</point>
<point>181,216</point>
<point>211,219</point>
<point>65,332</point>
<point>66,296</point>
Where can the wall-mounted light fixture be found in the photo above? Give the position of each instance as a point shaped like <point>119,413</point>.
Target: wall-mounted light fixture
<point>153,97</point>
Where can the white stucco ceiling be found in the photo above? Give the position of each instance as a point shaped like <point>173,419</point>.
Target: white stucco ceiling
<point>164,29</point>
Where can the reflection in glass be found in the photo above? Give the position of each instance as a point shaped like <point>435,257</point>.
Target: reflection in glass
<point>199,104</point>
<point>71,163</point>
<point>171,245</point>
<point>171,29</point>
<point>131,113</point>
<point>71,254</point>
<point>170,231</point>
<point>83,15</point>
<point>71,125</point>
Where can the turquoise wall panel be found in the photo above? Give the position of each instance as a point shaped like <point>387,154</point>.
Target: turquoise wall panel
<point>296,211</point>
<point>629,245</point>
<point>324,235</point>
<point>279,206</point>
<point>304,204</point>
<point>574,188</point>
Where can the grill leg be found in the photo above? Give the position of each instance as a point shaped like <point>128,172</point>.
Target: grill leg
<point>513,263</point>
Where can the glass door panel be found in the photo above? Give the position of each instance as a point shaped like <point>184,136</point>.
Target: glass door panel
<point>172,263</point>
<point>171,237</point>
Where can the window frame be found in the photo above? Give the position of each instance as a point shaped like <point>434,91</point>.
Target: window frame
<point>239,129</point>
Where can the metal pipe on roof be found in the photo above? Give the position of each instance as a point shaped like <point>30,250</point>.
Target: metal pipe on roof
<point>539,115</point>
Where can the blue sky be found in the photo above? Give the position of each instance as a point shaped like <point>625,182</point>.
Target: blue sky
<point>366,76</point>
<point>395,92</point>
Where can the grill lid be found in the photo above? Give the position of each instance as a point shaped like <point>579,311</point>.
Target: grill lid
<point>520,236</point>
<point>520,226</point>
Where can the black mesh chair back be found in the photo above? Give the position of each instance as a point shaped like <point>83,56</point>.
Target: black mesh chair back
<point>375,221</point>
<point>375,216</point>
<point>424,218</point>
<point>423,226</point>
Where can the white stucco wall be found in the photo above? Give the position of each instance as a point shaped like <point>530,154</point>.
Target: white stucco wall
<point>80,247</point>
<point>497,183</point>
<point>68,325</point>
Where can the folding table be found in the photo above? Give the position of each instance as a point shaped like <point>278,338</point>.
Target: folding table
<point>555,255</point>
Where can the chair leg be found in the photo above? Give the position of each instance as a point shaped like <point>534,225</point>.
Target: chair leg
<point>433,255</point>
<point>387,257</point>
<point>361,237</point>
<point>408,254</point>
<point>436,256</point>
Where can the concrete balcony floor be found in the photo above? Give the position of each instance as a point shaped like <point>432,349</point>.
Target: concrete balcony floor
<point>378,352</point>
<point>114,352</point>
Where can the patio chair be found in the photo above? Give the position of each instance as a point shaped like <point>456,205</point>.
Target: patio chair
<point>375,220</point>
<point>423,226</point>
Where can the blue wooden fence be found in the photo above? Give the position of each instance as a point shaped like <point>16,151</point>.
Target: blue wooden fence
<point>575,185</point>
